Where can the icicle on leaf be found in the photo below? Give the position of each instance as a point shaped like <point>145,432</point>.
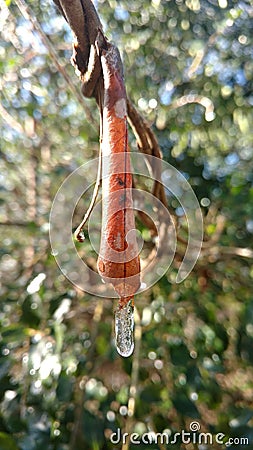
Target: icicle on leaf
<point>124,329</point>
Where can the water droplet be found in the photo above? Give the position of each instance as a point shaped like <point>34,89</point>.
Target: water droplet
<point>80,236</point>
<point>124,329</point>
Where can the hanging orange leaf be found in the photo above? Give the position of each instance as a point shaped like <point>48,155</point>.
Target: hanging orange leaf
<point>118,261</point>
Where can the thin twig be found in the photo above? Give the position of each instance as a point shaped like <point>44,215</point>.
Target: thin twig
<point>220,250</point>
<point>78,233</point>
<point>28,15</point>
<point>201,53</point>
<point>11,121</point>
<point>9,223</point>
<point>206,102</point>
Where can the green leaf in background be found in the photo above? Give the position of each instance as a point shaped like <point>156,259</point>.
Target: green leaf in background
<point>7,442</point>
<point>185,406</point>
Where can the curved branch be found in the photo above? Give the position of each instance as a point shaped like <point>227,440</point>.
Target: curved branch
<point>84,23</point>
<point>147,144</point>
<point>194,98</point>
<point>79,231</point>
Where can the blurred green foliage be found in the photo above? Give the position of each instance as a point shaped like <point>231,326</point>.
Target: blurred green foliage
<point>189,69</point>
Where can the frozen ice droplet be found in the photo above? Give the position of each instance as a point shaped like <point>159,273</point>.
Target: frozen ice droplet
<point>80,236</point>
<point>124,329</point>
